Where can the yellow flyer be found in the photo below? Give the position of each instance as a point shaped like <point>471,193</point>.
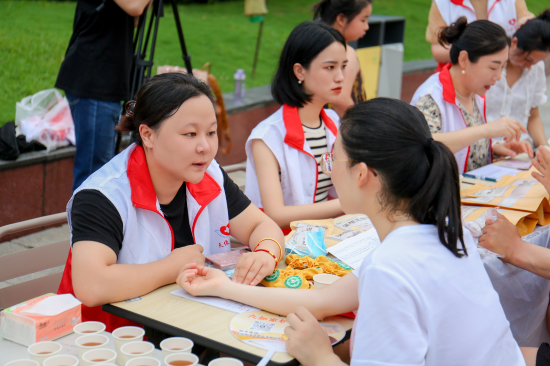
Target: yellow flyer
<point>519,192</point>
<point>266,330</point>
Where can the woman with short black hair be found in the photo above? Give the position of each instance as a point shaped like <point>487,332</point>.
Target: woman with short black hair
<point>283,175</point>
<point>161,203</point>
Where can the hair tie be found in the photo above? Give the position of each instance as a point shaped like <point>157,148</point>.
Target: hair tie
<point>130,108</point>
<point>428,144</point>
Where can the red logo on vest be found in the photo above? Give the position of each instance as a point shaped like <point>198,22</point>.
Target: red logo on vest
<point>224,230</point>
<point>512,22</point>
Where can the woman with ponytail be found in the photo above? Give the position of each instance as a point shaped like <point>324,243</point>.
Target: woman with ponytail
<point>351,19</point>
<point>161,203</point>
<point>453,102</point>
<point>423,296</point>
<point>522,88</point>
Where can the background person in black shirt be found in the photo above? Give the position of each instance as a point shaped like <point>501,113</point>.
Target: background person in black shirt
<point>95,76</point>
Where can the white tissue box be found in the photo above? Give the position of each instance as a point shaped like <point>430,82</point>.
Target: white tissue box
<point>44,318</point>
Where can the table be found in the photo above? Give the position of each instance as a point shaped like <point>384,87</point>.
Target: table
<point>10,351</point>
<point>523,295</point>
<point>205,325</point>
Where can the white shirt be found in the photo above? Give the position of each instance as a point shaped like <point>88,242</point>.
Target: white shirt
<point>421,305</point>
<point>528,92</point>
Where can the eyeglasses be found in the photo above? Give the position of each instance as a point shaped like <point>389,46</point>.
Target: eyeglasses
<point>327,159</point>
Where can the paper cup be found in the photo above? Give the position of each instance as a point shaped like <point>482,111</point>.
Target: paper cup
<point>180,359</point>
<point>89,328</point>
<point>225,361</point>
<point>42,350</point>
<point>89,342</point>
<point>133,350</point>
<point>324,279</point>
<point>61,360</point>
<point>23,362</point>
<point>143,361</point>
<point>176,345</point>
<point>98,356</point>
<point>125,335</point>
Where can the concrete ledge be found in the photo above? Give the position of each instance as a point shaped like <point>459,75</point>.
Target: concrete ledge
<point>254,98</point>
<point>38,157</point>
<point>413,67</point>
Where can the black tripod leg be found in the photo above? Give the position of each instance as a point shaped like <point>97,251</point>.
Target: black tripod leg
<point>186,57</point>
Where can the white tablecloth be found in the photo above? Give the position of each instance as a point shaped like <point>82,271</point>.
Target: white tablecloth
<point>524,296</point>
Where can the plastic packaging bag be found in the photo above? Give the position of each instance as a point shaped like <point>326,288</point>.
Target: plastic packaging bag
<point>36,105</point>
<point>54,128</point>
<point>476,229</point>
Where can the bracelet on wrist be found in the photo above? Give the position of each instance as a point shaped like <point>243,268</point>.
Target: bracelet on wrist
<point>276,242</point>
<point>267,251</point>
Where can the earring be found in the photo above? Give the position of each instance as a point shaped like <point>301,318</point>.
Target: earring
<point>299,81</point>
<point>464,71</point>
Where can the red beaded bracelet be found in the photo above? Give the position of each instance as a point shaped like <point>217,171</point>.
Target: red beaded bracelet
<point>267,251</point>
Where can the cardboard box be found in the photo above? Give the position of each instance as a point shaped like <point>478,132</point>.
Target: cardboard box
<point>22,324</point>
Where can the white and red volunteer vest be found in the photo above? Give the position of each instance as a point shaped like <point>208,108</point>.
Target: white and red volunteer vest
<point>440,87</point>
<point>148,237</point>
<point>282,132</point>
<point>501,12</point>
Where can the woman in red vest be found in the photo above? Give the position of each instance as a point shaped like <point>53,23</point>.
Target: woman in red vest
<point>160,204</point>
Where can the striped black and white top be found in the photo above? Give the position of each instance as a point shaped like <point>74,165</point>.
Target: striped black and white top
<point>316,138</point>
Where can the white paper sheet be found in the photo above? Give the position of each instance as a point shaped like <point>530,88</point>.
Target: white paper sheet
<point>218,302</point>
<point>492,171</point>
<point>352,251</point>
<point>53,305</point>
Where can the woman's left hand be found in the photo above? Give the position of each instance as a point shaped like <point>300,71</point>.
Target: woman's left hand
<point>513,148</point>
<point>307,340</point>
<point>253,267</point>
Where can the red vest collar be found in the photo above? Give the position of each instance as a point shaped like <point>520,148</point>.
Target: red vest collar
<point>294,132</point>
<point>143,192</point>
<point>449,94</point>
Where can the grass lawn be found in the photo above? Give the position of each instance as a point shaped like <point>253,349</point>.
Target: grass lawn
<point>34,36</point>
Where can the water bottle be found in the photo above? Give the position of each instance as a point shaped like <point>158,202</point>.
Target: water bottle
<point>239,77</point>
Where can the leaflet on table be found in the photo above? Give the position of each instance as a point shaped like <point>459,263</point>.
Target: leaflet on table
<point>217,302</point>
<point>493,171</point>
<point>520,192</point>
<point>353,251</point>
<point>516,164</point>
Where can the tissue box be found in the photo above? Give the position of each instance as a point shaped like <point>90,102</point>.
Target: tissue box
<point>34,320</point>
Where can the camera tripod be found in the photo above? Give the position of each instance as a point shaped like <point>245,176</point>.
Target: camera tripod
<point>141,66</point>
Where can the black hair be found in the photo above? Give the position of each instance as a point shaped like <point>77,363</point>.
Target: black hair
<point>535,34</point>
<point>479,38</point>
<point>303,45</point>
<point>158,99</point>
<point>419,175</point>
<point>328,10</point>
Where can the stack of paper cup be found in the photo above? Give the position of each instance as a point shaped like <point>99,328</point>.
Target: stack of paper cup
<point>135,349</point>
<point>125,335</point>
<point>89,328</point>
<point>91,341</point>
<point>98,356</point>
<point>61,360</point>
<point>175,345</point>
<point>42,350</point>
<point>180,359</point>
